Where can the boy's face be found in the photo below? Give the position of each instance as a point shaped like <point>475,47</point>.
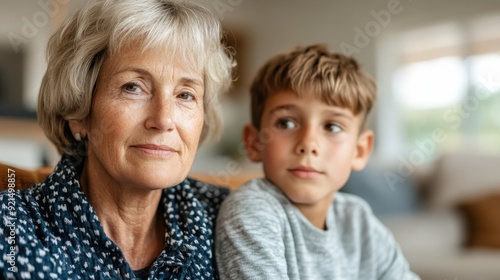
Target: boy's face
<point>307,147</point>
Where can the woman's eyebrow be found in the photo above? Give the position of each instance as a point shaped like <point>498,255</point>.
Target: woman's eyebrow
<point>185,80</point>
<point>189,80</point>
<point>134,69</point>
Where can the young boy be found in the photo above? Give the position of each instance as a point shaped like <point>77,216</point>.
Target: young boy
<point>309,109</point>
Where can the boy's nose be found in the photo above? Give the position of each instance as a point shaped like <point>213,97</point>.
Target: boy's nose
<point>307,143</point>
<point>308,149</point>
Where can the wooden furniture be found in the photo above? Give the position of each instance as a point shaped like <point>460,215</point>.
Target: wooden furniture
<point>23,178</point>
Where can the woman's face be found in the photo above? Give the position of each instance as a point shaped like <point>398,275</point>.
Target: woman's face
<point>146,119</point>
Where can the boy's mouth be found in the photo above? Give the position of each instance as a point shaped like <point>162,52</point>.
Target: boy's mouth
<point>304,172</point>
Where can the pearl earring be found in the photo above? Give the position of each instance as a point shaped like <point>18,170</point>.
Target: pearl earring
<point>78,137</point>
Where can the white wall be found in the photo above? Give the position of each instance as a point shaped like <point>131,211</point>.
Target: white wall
<point>26,26</point>
<point>275,26</point>
<point>270,27</point>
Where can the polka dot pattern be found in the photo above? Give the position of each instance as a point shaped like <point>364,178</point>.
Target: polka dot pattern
<point>59,236</point>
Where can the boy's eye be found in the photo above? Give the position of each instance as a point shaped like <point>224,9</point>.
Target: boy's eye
<point>285,124</point>
<point>333,128</point>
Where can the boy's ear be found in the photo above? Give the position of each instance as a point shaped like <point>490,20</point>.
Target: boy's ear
<point>364,148</point>
<point>251,140</point>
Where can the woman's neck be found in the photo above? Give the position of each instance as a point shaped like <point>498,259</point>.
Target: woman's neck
<point>130,217</point>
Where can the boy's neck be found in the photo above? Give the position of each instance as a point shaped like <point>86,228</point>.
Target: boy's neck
<point>316,213</point>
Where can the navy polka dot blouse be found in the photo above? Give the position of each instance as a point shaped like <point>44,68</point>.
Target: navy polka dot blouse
<point>50,231</point>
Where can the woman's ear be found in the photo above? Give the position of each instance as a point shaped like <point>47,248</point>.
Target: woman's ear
<point>78,129</point>
<point>251,140</point>
<point>364,148</point>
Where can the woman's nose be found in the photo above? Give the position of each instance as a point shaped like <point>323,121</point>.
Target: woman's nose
<point>160,115</point>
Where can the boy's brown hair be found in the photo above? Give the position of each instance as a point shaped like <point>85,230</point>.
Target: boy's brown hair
<point>314,72</point>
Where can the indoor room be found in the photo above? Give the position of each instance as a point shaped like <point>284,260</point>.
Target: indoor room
<point>433,178</point>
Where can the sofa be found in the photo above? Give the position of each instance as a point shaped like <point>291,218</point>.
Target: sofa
<point>446,217</point>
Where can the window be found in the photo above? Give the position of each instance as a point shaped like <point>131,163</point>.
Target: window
<point>448,79</point>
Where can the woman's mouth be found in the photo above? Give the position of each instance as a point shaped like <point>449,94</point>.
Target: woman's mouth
<point>159,151</point>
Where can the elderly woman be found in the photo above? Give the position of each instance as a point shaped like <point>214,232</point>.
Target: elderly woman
<point>129,93</point>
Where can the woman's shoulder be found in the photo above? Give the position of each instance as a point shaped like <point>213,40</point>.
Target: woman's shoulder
<point>36,199</point>
<point>23,219</point>
<point>40,209</point>
<point>206,190</point>
<point>207,194</point>
<point>20,202</point>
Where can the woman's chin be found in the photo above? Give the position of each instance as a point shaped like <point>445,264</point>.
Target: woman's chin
<point>160,184</point>
<point>162,179</point>
<point>163,173</point>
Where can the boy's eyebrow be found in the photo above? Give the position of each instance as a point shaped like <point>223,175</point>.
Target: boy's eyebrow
<point>283,108</point>
<point>338,113</point>
<point>291,107</point>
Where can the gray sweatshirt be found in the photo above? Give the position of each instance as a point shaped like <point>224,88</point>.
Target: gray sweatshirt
<point>261,235</point>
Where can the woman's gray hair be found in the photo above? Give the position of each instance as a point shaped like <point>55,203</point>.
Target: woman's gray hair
<point>78,49</point>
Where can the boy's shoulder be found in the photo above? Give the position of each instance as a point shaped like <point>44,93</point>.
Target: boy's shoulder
<point>350,203</point>
<point>353,211</point>
<point>258,189</point>
<point>256,195</point>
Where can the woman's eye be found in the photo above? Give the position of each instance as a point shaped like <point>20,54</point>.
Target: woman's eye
<point>186,95</point>
<point>132,88</point>
<point>285,124</point>
<point>334,128</point>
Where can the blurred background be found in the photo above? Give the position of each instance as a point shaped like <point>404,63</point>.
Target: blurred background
<point>434,174</point>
